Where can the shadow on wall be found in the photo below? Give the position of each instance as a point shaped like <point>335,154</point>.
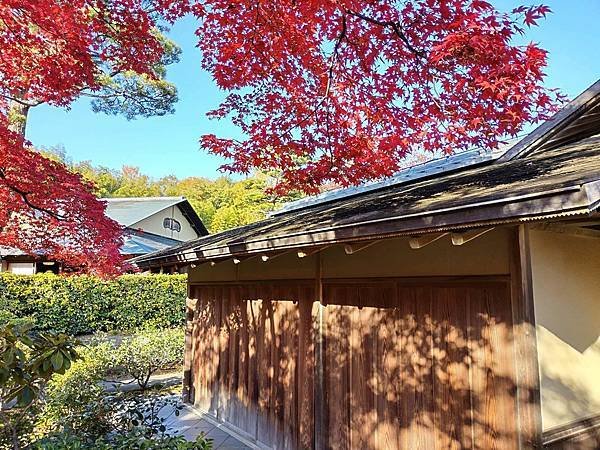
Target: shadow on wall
<point>425,367</point>
<point>564,402</point>
<point>566,286</point>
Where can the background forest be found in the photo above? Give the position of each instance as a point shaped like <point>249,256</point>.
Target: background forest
<point>221,203</point>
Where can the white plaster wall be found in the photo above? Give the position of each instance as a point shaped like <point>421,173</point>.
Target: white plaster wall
<point>21,268</point>
<point>154,224</point>
<point>566,285</point>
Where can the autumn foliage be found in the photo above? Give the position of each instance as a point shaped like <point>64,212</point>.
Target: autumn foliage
<point>341,90</point>
<point>325,92</point>
<point>51,51</point>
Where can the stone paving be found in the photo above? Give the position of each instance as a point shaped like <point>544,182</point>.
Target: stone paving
<point>191,424</point>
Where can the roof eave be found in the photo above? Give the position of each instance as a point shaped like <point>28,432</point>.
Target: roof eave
<point>573,200</point>
<point>555,124</point>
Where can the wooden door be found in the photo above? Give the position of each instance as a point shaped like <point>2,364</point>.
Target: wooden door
<point>418,366</point>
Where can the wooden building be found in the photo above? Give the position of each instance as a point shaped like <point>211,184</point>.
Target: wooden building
<point>456,305</point>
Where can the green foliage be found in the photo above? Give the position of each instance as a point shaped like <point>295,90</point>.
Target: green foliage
<point>221,203</point>
<point>132,440</point>
<point>75,399</point>
<point>27,362</point>
<point>86,304</point>
<point>18,323</point>
<point>146,353</point>
<point>75,410</point>
<point>133,94</point>
<point>129,421</point>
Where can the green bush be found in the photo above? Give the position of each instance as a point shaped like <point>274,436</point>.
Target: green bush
<point>128,441</point>
<point>131,421</point>
<point>146,353</point>
<point>86,304</point>
<point>75,400</point>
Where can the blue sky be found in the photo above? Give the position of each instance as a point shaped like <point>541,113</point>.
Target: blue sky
<point>169,145</point>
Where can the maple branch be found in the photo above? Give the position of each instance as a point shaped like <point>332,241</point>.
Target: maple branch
<point>24,196</point>
<point>396,28</point>
<point>20,101</point>
<point>334,57</point>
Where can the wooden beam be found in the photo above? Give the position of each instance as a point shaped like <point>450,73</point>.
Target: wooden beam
<point>570,230</point>
<point>351,249</point>
<point>463,238</point>
<point>307,252</point>
<point>527,375</point>
<point>190,315</point>
<point>319,373</point>
<point>423,241</point>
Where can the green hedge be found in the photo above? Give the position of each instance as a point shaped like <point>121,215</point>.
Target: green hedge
<point>86,304</point>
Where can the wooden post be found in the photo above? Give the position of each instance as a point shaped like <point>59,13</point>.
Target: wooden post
<point>527,374</point>
<point>319,377</point>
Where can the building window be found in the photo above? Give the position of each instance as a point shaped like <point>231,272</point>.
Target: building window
<point>171,224</point>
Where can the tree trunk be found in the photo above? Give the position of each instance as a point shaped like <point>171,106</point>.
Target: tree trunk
<point>18,117</point>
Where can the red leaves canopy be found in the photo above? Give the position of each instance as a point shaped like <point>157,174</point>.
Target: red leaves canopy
<point>51,212</point>
<point>326,91</point>
<point>51,51</point>
<point>341,90</point>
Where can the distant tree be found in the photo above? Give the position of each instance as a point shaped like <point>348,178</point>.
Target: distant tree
<point>224,203</point>
<point>54,52</point>
<point>132,183</point>
<point>116,84</point>
<point>221,203</point>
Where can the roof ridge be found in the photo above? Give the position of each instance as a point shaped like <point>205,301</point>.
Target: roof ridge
<point>555,124</point>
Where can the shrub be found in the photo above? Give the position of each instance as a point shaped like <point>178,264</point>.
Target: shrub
<point>75,400</point>
<point>130,421</point>
<point>27,361</point>
<point>86,304</point>
<point>127,441</point>
<point>146,353</point>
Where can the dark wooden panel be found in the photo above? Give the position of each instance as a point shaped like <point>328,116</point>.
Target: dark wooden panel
<point>493,374</point>
<point>451,377</point>
<point>405,365</point>
<point>205,350</point>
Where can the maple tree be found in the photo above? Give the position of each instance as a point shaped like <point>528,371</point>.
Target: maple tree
<point>340,91</point>
<point>54,51</point>
<point>325,91</point>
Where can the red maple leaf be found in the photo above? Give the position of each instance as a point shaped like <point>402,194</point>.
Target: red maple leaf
<point>52,51</point>
<point>340,91</point>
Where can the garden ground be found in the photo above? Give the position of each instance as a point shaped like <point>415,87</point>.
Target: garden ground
<point>191,424</point>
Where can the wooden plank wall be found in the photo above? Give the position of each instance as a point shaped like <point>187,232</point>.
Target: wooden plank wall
<point>419,367</point>
<point>253,360</point>
<point>405,366</point>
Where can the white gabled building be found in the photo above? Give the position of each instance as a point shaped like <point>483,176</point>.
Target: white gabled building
<point>151,224</point>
